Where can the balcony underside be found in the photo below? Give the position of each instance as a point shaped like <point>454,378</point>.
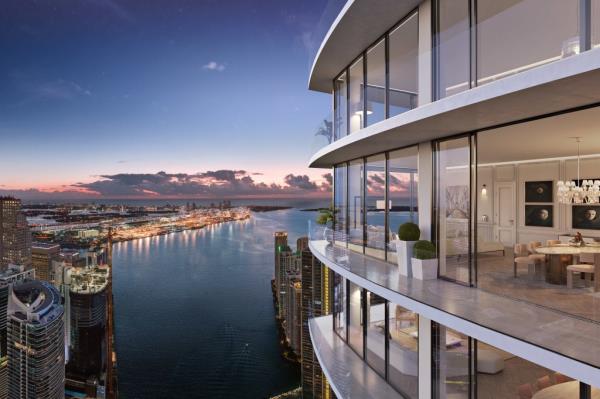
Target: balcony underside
<point>556,87</point>
<point>552,339</point>
<point>348,374</point>
<point>357,26</point>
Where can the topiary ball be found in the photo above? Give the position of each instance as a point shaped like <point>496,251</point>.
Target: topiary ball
<point>424,249</point>
<point>409,232</point>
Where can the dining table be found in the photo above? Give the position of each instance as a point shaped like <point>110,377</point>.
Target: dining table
<point>562,255</point>
<point>566,390</point>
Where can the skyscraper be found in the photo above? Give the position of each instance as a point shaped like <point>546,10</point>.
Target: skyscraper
<point>281,244</point>
<point>88,326</point>
<point>36,342</point>
<point>4,291</point>
<point>451,121</point>
<point>315,303</point>
<point>15,237</point>
<point>42,256</point>
<point>293,317</point>
<point>289,267</point>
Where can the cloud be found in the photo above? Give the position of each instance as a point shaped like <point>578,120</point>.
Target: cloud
<point>210,184</point>
<point>54,90</point>
<point>218,184</point>
<point>214,66</point>
<point>328,178</point>
<point>301,182</point>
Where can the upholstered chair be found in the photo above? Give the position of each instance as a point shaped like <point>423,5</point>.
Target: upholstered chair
<point>522,258</point>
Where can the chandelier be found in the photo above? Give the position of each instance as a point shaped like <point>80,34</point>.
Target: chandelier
<point>578,192</point>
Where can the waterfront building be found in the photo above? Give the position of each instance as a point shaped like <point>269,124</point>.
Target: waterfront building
<point>316,302</point>
<point>281,244</point>
<point>293,320</point>
<point>36,343</point>
<point>289,268</point>
<point>4,292</point>
<point>15,236</point>
<point>459,116</point>
<point>42,256</point>
<point>87,318</point>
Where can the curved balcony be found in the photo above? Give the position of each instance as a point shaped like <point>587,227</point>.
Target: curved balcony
<point>555,340</point>
<point>347,373</point>
<point>563,85</point>
<point>356,26</point>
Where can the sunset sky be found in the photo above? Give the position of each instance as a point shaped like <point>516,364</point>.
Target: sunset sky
<point>178,98</point>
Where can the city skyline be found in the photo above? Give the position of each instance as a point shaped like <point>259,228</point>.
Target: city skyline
<point>156,85</point>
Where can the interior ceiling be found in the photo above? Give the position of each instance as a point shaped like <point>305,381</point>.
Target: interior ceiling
<point>543,138</point>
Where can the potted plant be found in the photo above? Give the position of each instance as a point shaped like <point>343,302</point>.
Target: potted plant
<point>424,260</point>
<point>325,219</point>
<point>408,234</point>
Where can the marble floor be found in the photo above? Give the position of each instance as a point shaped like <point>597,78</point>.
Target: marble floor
<point>495,274</point>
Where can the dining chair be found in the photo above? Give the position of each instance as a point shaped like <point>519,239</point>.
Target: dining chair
<point>522,258</point>
<point>538,259</point>
<point>544,382</point>
<point>525,391</point>
<point>561,378</point>
<point>552,243</point>
<point>578,269</point>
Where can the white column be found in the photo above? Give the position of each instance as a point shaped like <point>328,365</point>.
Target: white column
<point>424,358</point>
<point>425,194</point>
<point>424,52</point>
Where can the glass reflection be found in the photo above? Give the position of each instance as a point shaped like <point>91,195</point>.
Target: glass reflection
<point>375,203</point>
<point>403,350</point>
<point>356,102</point>
<point>376,83</point>
<point>355,205</point>
<point>403,66</point>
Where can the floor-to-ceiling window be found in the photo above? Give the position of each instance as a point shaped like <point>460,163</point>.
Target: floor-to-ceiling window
<point>403,327</point>
<point>452,47</point>
<point>402,191</point>
<point>375,204</point>
<point>356,103</point>
<point>453,208</point>
<point>513,35</point>
<point>339,305</point>
<point>356,297</point>
<point>375,347</point>
<point>375,83</point>
<point>340,112</point>
<point>355,205</point>
<point>453,361</point>
<point>363,217</point>
<point>403,66</point>
<point>340,202</point>
<point>519,209</point>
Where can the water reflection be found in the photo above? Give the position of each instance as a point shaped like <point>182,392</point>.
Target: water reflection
<point>194,313</point>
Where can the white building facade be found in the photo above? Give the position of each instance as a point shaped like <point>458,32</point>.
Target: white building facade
<point>462,116</point>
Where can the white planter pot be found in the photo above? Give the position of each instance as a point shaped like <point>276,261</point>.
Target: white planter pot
<point>404,251</point>
<point>424,269</point>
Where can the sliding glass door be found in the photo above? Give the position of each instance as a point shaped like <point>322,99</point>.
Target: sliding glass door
<point>455,177</point>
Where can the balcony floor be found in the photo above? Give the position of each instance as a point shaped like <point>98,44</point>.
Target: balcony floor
<point>530,331</point>
<point>347,373</point>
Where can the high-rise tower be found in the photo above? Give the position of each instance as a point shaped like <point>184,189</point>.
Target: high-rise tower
<point>36,342</point>
<point>88,324</point>
<point>15,236</point>
<point>42,255</point>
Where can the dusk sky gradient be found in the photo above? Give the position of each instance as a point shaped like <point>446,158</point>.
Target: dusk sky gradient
<point>94,89</point>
